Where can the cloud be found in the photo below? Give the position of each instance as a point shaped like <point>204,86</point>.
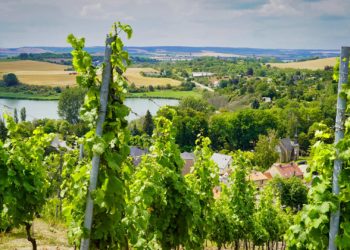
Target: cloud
<point>244,23</point>
<point>91,10</point>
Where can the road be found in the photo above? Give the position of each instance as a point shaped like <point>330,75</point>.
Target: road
<point>203,86</point>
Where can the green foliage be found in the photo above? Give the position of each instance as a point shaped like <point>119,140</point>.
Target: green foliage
<point>265,150</point>
<point>24,180</point>
<point>69,104</point>
<point>148,125</point>
<point>241,196</point>
<point>3,130</point>
<point>162,208</point>
<point>10,79</point>
<point>311,227</point>
<point>271,222</point>
<point>292,192</point>
<point>197,104</point>
<point>189,123</point>
<point>225,224</point>
<point>23,114</point>
<point>15,116</point>
<point>202,180</point>
<point>108,230</point>
<point>240,130</point>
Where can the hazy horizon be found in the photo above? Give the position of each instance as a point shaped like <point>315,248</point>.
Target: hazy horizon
<point>265,24</point>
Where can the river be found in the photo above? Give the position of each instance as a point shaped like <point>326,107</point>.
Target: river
<point>48,109</point>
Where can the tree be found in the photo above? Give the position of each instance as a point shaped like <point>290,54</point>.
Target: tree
<point>135,131</point>
<point>250,71</point>
<point>23,114</point>
<point>15,115</point>
<point>265,150</point>
<point>189,123</point>
<point>202,180</point>
<point>292,191</point>
<point>3,130</point>
<point>271,217</point>
<point>255,104</point>
<point>10,79</point>
<point>24,181</point>
<point>69,104</point>
<point>242,199</point>
<point>148,124</point>
<point>162,208</point>
<point>240,130</point>
<point>197,104</point>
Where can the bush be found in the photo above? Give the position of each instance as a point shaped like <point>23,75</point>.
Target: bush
<point>10,79</point>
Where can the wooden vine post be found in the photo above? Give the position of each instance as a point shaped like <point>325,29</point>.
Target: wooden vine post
<point>339,134</point>
<point>106,78</point>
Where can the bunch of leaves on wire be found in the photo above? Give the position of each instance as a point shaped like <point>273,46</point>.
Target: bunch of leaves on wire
<point>162,207</point>
<point>225,223</point>
<point>311,227</point>
<point>202,180</point>
<point>107,230</point>
<point>233,211</point>
<point>271,221</point>
<point>242,199</point>
<point>23,183</point>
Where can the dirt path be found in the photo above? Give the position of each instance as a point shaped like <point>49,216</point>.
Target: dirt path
<point>48,237</point>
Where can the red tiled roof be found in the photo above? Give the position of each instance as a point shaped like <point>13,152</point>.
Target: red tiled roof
<point>289,170</point>
<point>268,175</point>
<point>257,176</point>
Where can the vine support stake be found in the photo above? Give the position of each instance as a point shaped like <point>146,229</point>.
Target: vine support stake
<point>339,134</point>
<point>106,78</point>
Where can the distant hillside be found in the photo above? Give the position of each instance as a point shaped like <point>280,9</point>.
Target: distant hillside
<point>311,64</point>
<point>183,52</point>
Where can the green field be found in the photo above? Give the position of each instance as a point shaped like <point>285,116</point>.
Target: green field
<point>21,95</point>
<point>171,94</point>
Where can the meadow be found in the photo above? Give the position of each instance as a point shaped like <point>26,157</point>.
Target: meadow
<point>134,75</point>
<point>38,73</point>
<point>310,64</point>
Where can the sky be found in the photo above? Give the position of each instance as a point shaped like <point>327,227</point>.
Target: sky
<point>286,24</point>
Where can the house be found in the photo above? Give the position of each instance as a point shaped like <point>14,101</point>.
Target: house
<point>266,99</point>
<point>304,168</point>
<point>288,150</point>
<point>136,154</point>
<point>223,162</point>
<point>189,159</point>
<point>286,170</point>
<point>58,143</point>
<point>202,74</point>
<point>258,178</point>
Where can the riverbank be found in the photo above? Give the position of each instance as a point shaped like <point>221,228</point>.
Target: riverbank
<point>25,96</point>
<point>165,94</point>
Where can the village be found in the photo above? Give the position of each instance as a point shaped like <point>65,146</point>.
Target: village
<point>287,166</point>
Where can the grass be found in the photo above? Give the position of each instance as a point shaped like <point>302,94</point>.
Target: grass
<point>311,64</point>
<point>48,236</point>
<point>19,95</point>
<point>170,94</point>
<point>134,76</point>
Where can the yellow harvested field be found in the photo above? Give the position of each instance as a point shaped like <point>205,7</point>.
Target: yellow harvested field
<point>134,76</point>
<point>38,73</point>
<point>50,74</point>
<point>311,64</point>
